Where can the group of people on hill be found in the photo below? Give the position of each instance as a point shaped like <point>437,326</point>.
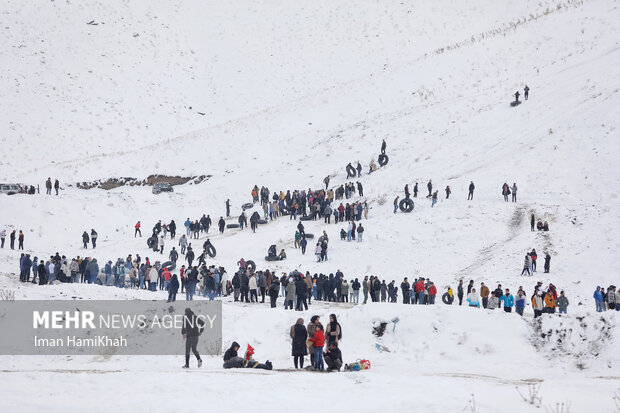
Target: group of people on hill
<point>609,299</point>
<point>315,204</point>
<point>529,264</point>
<point>543,299</point>
<point>12,237</point>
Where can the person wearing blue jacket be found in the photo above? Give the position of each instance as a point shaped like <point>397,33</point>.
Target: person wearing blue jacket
<point>509,301</point>
<point>187,224</point>
<point>520,302</point>
<point>598,299</point>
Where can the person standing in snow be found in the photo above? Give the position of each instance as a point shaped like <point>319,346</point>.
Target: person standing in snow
<point>137,230</point>
<point>3,237</point>
<point>563,303</point>
<point>161,244</point>
<point>221,224</point>
<point>227,208</point>
<point>93,238</point>
<point>434,199</point>
<point>20,241</point>
<point>508,301</point>
<point>470,196</point>
<point>48,186</point>
<point>85,239</point>
<point>429,186</point>
<point>472,298</point>
<point>191,330</point>
<point>56,186</point>
<point>533,256</point>
<point>396,204</point>
<point>520,302</point>
<point>299,350</point>
<point>514,192</point>
<point>383,147</point>
<point>598,299</point>
<point>526,92</point>
<point>460,292</point>
<point>517,96</point>
<point>547,263</point>
<point>448,192</point>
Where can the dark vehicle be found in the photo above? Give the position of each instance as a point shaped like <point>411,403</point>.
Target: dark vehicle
<point>160,187</point>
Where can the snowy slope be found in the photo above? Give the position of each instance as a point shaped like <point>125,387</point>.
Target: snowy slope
<point>292,93</point>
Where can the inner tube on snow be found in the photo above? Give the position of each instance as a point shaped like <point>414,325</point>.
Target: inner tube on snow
<point>284,210</point>
<point>447,299</point>
<point>251,265</point>
<point>232,225</point>
<point>307,236</point>
<point>150,242</point>
<point>171,265</point>
<point>262,221</point>
<point>383,159</point>
<point>211,251</point>
<point>308,217</point>
<point>247,205</point>
<point>351,172</point>
<point>272,258</point>
<point>406,205</point>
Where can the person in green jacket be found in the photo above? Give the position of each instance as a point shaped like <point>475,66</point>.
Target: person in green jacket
<point>562,303</point>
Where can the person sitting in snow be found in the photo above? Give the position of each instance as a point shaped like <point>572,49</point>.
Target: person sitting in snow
<point>232,359</point>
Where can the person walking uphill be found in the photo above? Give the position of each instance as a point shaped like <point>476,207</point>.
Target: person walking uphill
<point>85,239</point>
<point>471,191</point>
<point>192,329</point>
<point>299,334</point>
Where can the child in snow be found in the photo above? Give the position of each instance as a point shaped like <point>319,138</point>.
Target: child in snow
<point>318,340</point>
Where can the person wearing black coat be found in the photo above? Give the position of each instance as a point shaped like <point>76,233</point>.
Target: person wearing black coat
<point>301,290</point>
<point>274,291</point>
<point>173,288</point>
<point>236,283</point>
<point>221,223</point>
<point>172,227</point>
<point>191,330</point>
<point>245,287</point>
<point>42,273</point>
<point>460,292</point>
<point>232,351</point>
<point>299,334</point>
<point>404,286</point>
<point>547,262</point>
<point>85,239</point>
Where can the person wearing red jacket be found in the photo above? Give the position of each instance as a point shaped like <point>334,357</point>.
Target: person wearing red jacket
<point>137,231</point>
<point>432,292</point>
<point>419,290</point>
<point>318,341</point>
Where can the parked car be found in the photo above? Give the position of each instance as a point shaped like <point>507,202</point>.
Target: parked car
<point>160,187</point>
<point>10,189</point>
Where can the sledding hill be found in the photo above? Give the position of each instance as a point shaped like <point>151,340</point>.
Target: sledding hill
<point>281,95</point>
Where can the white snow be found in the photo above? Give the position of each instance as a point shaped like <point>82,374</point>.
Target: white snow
<point>292,92</point>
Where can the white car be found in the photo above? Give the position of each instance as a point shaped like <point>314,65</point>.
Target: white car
<point>11,189</point>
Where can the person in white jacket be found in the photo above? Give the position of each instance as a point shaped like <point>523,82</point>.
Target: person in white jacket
<point>472,298</point>
<point>2,237</point>
<point>161,244</point>
<point>493,301</point>
<point>253,287</point>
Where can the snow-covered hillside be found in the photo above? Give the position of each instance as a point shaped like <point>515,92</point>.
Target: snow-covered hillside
<point>281,95</point>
